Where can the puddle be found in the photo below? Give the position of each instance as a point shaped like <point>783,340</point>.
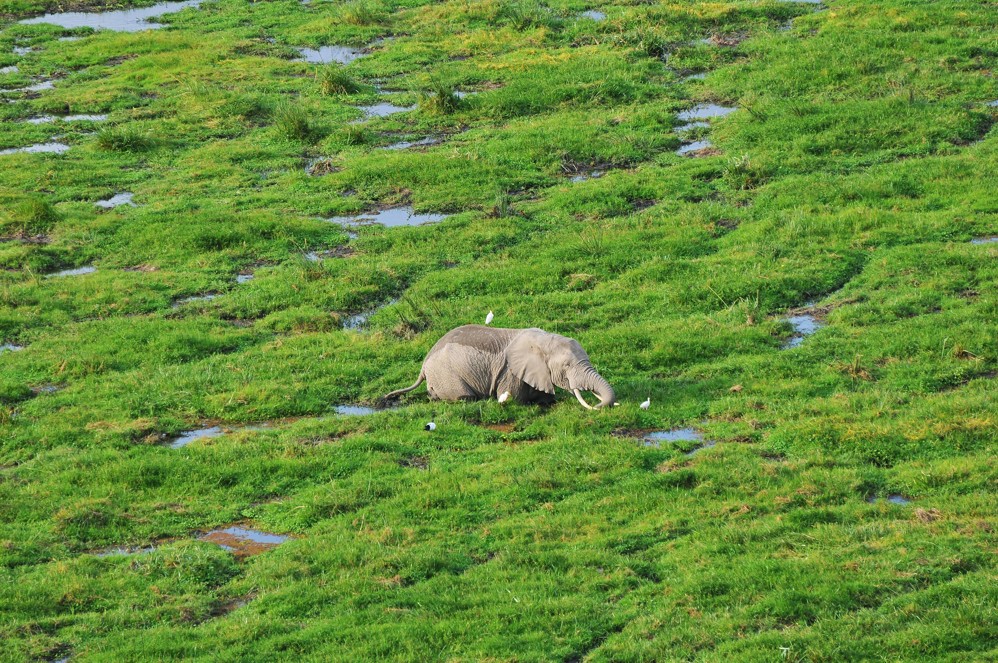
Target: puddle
<point>186,437</point>
<point>338,252</point>
<point>384,109</point>
<point>696,77</point>
<point>690,125</point>
<point>41,148</point>
<point>985,240</point>
<point>656,438</point>
<point>328,54</point>
<point>358,321</point>
<point>464,94</point>
<point>993,104</point>
<point>243,278</point>
<point>705,112</point>
<point>242,541</point>
<point>390,218</point>
<point>10,347</point>
<point>893,499</point>
<point>125,550</point>
<point>195,298</point>
<point>12,69</point>
<point>694,147</point>
<point>46,389</point>
<point>806,2</point>
<point>117,200</point>
<point>405,145</point>
<point>591,175</point>
<point>46,119</point>
<point>128,20</point>
<point>804,325</point>
<point>22,50</point>
<point>355,410</point>
<point>594,15</point>
<point>79,271</point>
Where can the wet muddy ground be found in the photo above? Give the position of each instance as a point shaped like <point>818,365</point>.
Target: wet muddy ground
<point>243,541</point>
<point>127,20</point>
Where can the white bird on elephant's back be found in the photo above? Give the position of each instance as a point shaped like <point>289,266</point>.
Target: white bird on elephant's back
<point>488,318</point>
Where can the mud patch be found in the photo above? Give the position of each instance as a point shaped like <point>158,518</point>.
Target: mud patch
<point>803,325</point>
<point>415,462</point>
<point>117,200</point>
<point>242,541</point>
<point>330,54</point>
<point>504,427</point>
<point>128,20</point>
<point>319,256</point>
<point>390,218</point>
<point>321,166</point>
<point>40,148</point>
<point>79,271</point>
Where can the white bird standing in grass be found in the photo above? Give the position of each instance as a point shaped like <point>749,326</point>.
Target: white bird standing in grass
<point>503,397</point>
<point>646,404</point>
<point>488,318</point>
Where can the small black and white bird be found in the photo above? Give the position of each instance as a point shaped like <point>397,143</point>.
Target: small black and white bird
<point>430,426</point>
<point>488,318</point>
<point>646,404</point>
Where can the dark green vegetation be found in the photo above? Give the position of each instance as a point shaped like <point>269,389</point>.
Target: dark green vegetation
<point>860,162</point>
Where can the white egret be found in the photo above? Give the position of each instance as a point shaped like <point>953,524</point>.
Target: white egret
<point>488,318</point>
<point>503,397</point>
<point>646,404</point>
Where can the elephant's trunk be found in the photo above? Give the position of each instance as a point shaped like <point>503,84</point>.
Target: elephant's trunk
<point>592,381</point>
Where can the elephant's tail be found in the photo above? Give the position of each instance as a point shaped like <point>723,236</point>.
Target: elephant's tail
<point>399,392</point>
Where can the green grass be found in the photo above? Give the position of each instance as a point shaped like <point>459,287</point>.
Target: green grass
<point>860,163</point>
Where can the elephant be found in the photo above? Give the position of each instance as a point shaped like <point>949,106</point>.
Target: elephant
<point>475,362</point>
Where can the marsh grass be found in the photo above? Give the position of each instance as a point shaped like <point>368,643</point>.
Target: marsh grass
<point>332,80</point>
<point>439,99</point>
<point>118,138</point>
<point>859,165</point>
<point>292,122</point>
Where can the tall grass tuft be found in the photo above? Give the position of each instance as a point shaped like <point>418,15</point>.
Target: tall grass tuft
<point>440,99</point>
<point>32,214</point>
<point>362,12</point>
<point>292,122</point>
<point>332,80</point>
<point>122,139</point>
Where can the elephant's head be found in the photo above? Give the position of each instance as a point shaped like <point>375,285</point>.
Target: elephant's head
<point>544,361</point>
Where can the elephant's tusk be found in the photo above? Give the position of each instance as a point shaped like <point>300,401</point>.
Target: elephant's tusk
<point>582,400</point>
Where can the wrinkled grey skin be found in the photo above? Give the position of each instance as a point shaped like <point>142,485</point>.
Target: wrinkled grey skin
<point>475,362</point>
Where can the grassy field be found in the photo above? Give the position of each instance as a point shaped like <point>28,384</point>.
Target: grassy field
<point>841,504</point>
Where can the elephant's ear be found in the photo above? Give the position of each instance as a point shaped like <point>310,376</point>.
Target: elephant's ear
<point>527,361</point>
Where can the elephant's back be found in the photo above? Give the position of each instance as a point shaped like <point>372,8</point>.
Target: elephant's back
<point>477,337</point>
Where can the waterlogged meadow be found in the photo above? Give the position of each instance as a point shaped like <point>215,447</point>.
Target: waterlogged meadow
<point>228,231</point>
